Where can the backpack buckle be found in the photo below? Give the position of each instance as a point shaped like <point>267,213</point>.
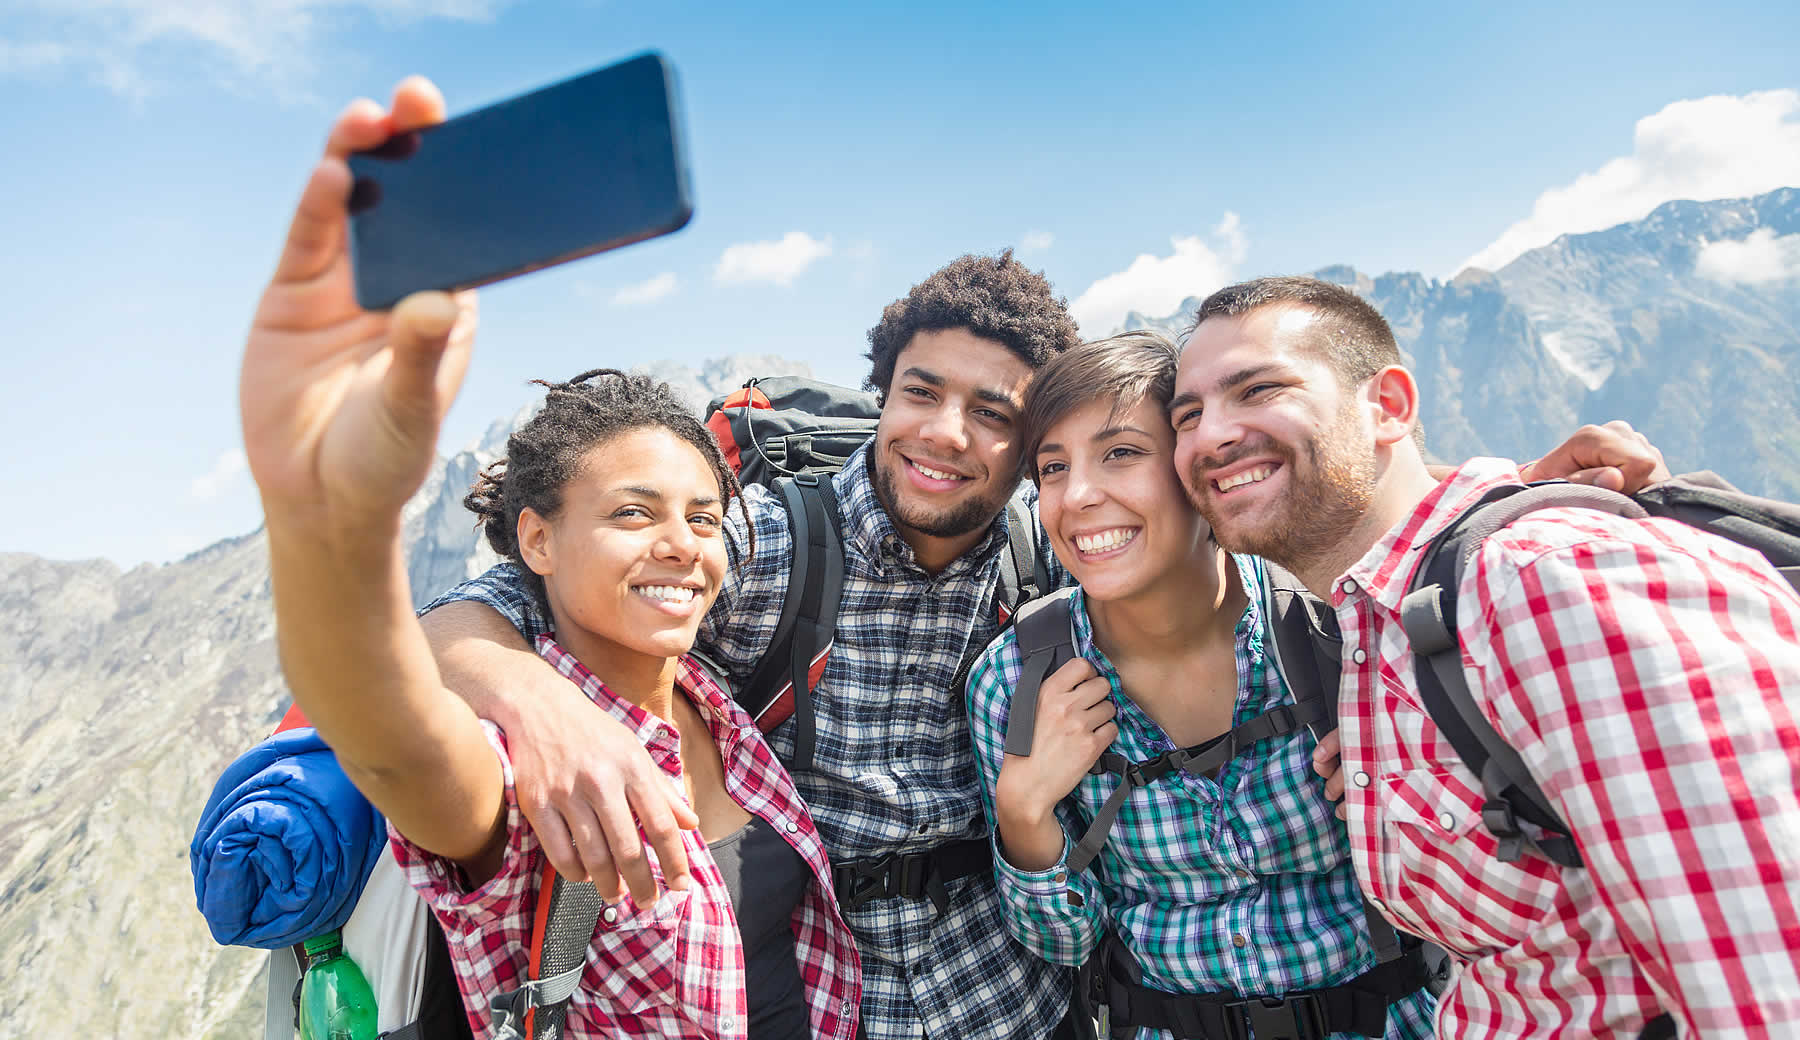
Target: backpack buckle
<point>1295,1018</point>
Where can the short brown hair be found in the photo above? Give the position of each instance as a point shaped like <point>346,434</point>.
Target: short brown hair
<point>1351,336</point>
<point>1126,369</point>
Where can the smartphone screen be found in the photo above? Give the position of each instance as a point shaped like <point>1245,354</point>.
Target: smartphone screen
<point>578,167</point>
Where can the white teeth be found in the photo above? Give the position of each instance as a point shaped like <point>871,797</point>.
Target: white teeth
<point>667,593</point>
<point>1105,540</point>
<point>935,474</point>
<point>1249,476</point>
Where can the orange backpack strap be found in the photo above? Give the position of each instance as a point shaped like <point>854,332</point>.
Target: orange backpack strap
<point>562,929</point>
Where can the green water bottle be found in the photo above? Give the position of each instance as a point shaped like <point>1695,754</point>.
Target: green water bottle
<point>336,1002</point>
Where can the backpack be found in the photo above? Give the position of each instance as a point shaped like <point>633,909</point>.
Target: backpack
<point>400,926</point>
<point>1306,634</point>
<point>791,434</point>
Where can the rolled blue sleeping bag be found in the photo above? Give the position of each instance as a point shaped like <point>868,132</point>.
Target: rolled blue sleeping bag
<point>284,845</point>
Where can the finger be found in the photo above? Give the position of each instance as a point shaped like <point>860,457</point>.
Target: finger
<point>628,851</point>
<point>316,235</point>
<point>595,852</point>
<point>1622,428</point>
<point>1608,477</point>
<point>1328,750</point>
<point>417,103</point>
<point>1334,786</point>
<point>1343,810</point>
<point>559,847</point>
<point>665,835</point>
<point>362,125</point>
<point>1072,674</point>
<point>420,332</point>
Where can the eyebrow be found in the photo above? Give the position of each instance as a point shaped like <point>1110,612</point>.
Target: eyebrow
<point>645,491</point>
<point>1110,431</point>
<point>1238,378</point>
<point>982,393</point>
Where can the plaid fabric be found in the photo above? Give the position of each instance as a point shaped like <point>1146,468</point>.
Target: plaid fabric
<point>674,969</point>
<point>1649,676</point>
<point>893,769</point>
<point>1193,867</point>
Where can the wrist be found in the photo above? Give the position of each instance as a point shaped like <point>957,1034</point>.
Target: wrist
<point>1019,807</point>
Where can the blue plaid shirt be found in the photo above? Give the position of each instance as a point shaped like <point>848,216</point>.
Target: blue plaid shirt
<point>893,769</point>
<point>1240,884</point>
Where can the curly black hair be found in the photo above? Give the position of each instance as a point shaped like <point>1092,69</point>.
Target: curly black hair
<point>543,455</point>
<point>994,297</point>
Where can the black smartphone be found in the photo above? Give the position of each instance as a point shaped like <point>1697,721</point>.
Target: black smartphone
<point>588,164</point>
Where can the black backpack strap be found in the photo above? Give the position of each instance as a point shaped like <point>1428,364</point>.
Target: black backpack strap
<point>1302,632</point>
<point>1023,576</point>
<point>808,612</point>
<point>1046,638</point>
<point>1200,758</point>
<point>1428,613</point>
<point>562,931</point>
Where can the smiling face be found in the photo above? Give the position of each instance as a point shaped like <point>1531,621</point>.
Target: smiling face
<point>1111,501</point>
<point>634,557</point>
<point>946,453</point>
<point>1270,446</point>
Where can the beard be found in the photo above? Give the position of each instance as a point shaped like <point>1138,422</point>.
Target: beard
<point>1331,481</point>
<point>965,517</point>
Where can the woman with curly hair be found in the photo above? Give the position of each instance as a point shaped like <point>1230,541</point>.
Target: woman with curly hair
<point>612,498</point>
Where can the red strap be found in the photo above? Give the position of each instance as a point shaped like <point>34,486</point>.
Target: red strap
<point>720,422</point>
<point>540,929</point>
<point>294,719</point>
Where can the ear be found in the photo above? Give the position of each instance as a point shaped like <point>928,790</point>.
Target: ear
<point>536,545</point>
<point>1393,397</point>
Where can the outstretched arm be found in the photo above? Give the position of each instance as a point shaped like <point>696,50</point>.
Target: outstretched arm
<point>341,410</point>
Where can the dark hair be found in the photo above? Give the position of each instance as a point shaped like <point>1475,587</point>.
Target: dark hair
<point>543,455</point>
<point>994,297</point>
<point>1126,369</point>
<point>1351,336</point>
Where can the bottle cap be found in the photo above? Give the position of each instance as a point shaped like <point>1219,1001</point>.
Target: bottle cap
<point>323,944</point>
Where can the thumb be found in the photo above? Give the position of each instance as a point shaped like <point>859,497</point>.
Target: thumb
<point>1608,477</point>
<point>423,334</point>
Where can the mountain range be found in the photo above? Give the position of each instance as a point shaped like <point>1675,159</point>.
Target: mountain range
<point>125,693</point>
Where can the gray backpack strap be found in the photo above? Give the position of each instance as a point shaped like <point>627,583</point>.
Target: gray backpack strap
<point>1428,613</point>
<point>1302,633</point>
<point>1044,629</point>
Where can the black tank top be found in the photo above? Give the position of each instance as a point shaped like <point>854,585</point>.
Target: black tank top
<point>766,879</point>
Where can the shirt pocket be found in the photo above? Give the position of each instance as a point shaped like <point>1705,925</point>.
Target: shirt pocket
<point>635,964</point>
<point>1437,857</point>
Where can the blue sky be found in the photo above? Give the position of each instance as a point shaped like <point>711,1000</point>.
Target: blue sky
<point>840,154</point>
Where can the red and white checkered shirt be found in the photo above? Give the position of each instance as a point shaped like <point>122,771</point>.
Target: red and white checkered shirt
<point>675,969</point>
<point>1649,675</point>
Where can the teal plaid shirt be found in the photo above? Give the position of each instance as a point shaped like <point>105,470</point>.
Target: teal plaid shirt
<point>1240,885</point>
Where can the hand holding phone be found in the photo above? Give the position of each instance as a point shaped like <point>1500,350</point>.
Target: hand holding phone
<point>588,164</point>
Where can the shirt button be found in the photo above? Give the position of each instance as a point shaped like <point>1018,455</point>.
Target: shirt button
<point>1241,874</point>
<point>1447,821</point>
<point>1059,877</point>
<point>1361,779</point>
<point>791,827</point>
<point>848,1007</point>
<point>610,914</point>
<point>1239,941</point>
<point>1358,656</point>
<point>1348,585</point>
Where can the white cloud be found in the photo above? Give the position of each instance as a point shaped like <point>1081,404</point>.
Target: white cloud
<point>646,291</point>
<point>1156,285</point>
<point>226,469</point>
<point>1036,241</point>
<point>779,261</point>
<point>1759,258</point>
<point>1717,147</point>
<point>124,44</point>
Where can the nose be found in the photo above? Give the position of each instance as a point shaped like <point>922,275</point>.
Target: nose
<point>1209,439</point>
<point>678,543</point>
<point>1081,490</point>
<point>945,428</point>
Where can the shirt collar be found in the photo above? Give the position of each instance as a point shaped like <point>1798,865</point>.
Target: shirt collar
<point>1386,570</point>
<point>872,530</point>
<point>690,679</point>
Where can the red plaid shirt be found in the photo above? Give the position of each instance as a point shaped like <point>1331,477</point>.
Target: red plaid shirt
<point>674,969</point>
<point>1649,675</point>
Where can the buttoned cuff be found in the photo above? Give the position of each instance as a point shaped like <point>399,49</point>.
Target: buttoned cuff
<point>1049,883</point>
